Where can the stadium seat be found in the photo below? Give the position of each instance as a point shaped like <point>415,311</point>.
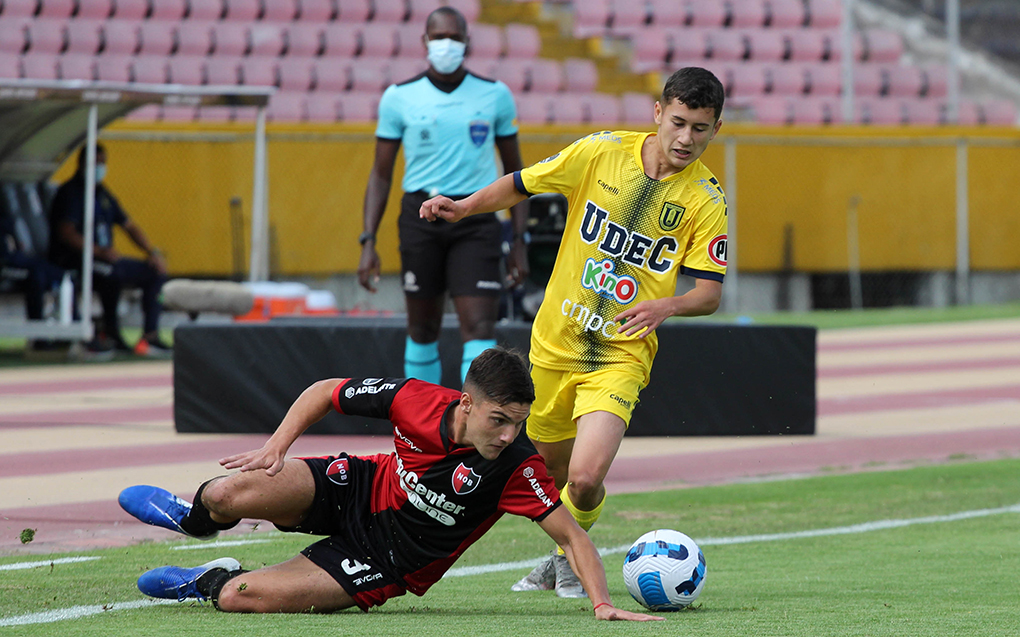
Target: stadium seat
<point>824,14</point>
<point>824,80</point>
<point>113,68</point>
<point>377,39</point>
<point>904,81</point>
<point>267,39</point>
<point>688,44</point>
<point>882,45</point>
<point>591,18</point>
<point>231,38</point>
<point>120,37</point>
<point>195,37</point>
<point>59,9</point>
<point>420,9</point>
<point>747,80</point>
<point>13,36</point>
<point>667,13</point>
<point>206,10</point>
<point>470,9</point>
<point>834,45</point>
<point>214,114</point>
<point>370,75</point>
<point>296,73</point>
<point>223,70</point>
<point>46,36</point>
<point>242,10</point>
<point>359,107</point>
<point>147,113</point>
<point>936,80</point>
<point>969,113</point>
<point>533,108</point>
<point>76,66</point>
<point>149,69</point>
<point>566,110</point>
<point>999,112</point>
<point>280,10</point>
<point>637,108</point>
<point>172,10</point>
<point>19,9</point>
<point>409,40</point>
<point>601,108</point>
<point>869,80</point>
<point>259,71</point>
<point>786,79</point>
<point>94,10</point>
<point>332,75</point>
<point>305,39</point>
<point>403,69</point>
<point>765,45</point>
<point>771,110</point>
<point>130,9</point>
<point>41,66</point>
<point>627,18</point>
<point>651,50</point>
<point>784,14</point>
<point>879,111</point>
<point>922,112</point>
<point>486,42</point>
<point>156,38</point>
<point>179,113</point>
<point>521,40</point>
<point>726,45</point>
<point>350,11</point>
<point>322,107</point>
<point>581,75</point>
<point>705,14</point>
<point>319,11</point>
<point>286,107</point>
<point>187,69</point>
<point>545,76</point>
<point>806,45</point>
<point>389,11</point>
<point>811,111</point>
<point>513,73</point>
<point>747,13</point>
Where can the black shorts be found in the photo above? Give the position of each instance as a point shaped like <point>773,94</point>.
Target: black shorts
<point>342,506</point>
<point>436,256</point>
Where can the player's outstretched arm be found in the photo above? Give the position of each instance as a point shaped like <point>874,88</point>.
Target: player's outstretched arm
<point>585,561</point>
<point>498,195</point>
<point>310,407</point>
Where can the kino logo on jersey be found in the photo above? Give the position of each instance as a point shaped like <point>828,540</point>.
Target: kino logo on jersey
<point>598,276</point>
<point>465,479</point>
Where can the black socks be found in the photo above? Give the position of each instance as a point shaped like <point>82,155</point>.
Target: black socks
<point>210,583</point>
<point>198,522</point>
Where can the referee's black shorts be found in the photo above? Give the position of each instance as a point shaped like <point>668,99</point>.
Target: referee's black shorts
<point>436,256</point>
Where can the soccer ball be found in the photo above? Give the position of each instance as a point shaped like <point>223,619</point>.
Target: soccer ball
<point>664,570</point>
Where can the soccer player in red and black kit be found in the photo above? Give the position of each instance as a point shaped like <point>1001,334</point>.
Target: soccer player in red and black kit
<point>396,522</point>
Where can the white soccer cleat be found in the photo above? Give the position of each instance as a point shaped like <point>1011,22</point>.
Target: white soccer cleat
<point>567,584</point>
<point>541,578</point>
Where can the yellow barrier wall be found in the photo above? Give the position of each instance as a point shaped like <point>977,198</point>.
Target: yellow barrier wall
<point>177,182</point>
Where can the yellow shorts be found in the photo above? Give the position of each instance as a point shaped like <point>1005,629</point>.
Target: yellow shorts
<point>561,397</point>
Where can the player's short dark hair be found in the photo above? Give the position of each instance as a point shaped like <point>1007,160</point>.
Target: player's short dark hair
<point>501,375</point>
<point>450,11</point>
<point>82,157</point>
<point>696,88</point>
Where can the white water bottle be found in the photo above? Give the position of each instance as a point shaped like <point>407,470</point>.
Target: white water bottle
<point>66,299</point>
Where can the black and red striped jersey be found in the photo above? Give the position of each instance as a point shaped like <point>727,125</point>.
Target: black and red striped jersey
<point>432,498</point>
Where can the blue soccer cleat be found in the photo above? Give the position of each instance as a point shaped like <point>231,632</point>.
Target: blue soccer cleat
<point>175,582</point>
<point>158,507</point>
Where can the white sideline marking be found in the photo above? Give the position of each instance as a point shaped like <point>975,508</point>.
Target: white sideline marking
<point>76,612</point>
<point>63,560</point>
<point>216,545</point>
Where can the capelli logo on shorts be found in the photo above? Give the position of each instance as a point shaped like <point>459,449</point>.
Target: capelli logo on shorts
<point>625,403</point>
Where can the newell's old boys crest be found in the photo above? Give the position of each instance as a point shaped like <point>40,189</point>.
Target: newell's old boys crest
<point>465,479</point>
<point>479,130</point>
<point>671,216</point>
<point>339,471</point>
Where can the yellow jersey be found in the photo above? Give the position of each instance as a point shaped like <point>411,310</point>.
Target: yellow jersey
<point>626,239</point>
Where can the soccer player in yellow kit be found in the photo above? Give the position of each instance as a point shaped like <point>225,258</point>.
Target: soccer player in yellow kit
<point>642,208</point>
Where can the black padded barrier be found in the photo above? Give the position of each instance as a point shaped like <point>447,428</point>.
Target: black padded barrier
<point>708,379</point>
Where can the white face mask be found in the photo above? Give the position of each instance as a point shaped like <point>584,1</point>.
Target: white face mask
<point>446,56</point>
<point>100,172</point>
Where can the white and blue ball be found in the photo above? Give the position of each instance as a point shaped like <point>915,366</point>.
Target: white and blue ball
<point>664,570</point>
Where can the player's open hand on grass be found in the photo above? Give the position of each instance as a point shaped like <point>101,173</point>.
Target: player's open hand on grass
<point>644,317</point>
<point>608,613</point>
<point>268,458</point>
<point>442,208</point>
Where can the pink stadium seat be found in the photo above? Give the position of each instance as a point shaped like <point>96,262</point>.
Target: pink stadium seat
<point>667,13</point>
<point>130,9</point>
<point>168,9</point>
<point>84,36</point>
<point>651,50</point>
<point>811,111</point>
<point>304,39</point>
<point>546,76</point>
<point>420,9</point>
<point>999,112</point>
<point>179,113</point>
<point>637,108</point>
<point>936,80</point>
<point>904,81</point>
<point>280,10</point>
<point>19,9</point>
<point>377,40</point>
<point>533,108</point>
<point>13,35</point>
<point>471,9</point>
<point>403,69</point>
<point>339,39</point>
<point>332,75</point>
<point>359,107</point>
<point>147,113</point>
<point>824,79</point>
<point>76,66</point>
<point>257,71</point>
<point>231,38</point>
<point>389,11</point>
<point>95,9</point>
<point>705,14</point>
<point>883,45</point>
<point>601,108</point>
<point>784,14</point>
<point>689,44</point>
<point>206,10</point>
<point>149,69</point>
<point>195,37</point>
<point>787,79</point>
<point>242,10</point>
<point>566,109</point>
<point>113,68</point>
<point>486,41</point>
<point>748,80</point>
<point>581,75</point>
<point>10,66</point>
<point>155,38</point>
<point>46,36</point>
<point>41,66</point>
<point>349,10</point>
<point>224,70</point>
<point>319,11</point>
<point>522,40</point>
<point>806,45</point>
<point>765,45</point>
<point>215,114</point>
<point>56,9</point>
<point>409,40</point>
<point>513,73</point>
<point>747,13</point>
<point>628,18</point>
<point>296,73</point>
<point>771,110</point>
<point>726,45</point>
<point>286,107</point>
<point>923,112</point>
<point>370,75</point>
<point>824,14</point>
<point>969,113</point>
<point>869,80</point>
<point>834,45</point>
<point>322,107</point>
<point>883,112</point>
<point>591,18</point>
<point>268,39</point>
<point>187,69</point>
<point>121,37</point>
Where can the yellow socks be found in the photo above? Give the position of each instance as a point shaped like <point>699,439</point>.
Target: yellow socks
<point>585,519</point>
